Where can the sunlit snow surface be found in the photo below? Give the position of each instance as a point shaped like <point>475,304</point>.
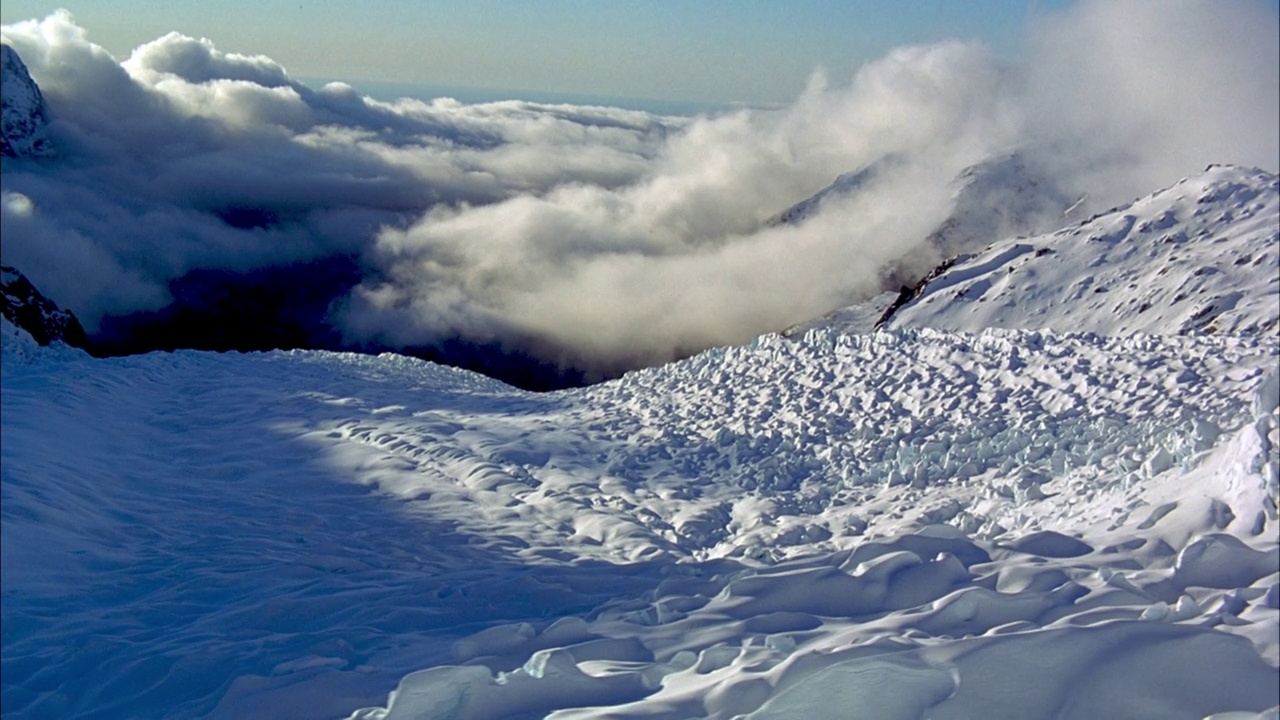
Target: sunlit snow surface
<point>1007,524</point>
<point>1200,256</point>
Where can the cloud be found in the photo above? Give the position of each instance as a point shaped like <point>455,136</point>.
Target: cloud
<point>683,258</point>
<point>599,237</point>
<point>1139,94</point>
<point>159,150</point>
<point>198,61</point>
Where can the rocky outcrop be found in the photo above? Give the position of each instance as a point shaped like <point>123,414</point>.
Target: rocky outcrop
<point>24,306</point>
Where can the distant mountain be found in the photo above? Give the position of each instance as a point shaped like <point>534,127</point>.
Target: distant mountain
<point>843,186</point>
<point>1007,195</point>
<point>857,319</point>
<point>1202,256</point>
<point>24,306</point>
<point>23,114</point>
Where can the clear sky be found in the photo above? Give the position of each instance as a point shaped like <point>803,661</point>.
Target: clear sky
<point>697,50</point>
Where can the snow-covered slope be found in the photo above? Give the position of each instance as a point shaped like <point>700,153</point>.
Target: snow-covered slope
<point>23,116</point>
<point>1010,524</point>
<point>1005,196</point>
<point>1202,256</point>
<point>857,319</point>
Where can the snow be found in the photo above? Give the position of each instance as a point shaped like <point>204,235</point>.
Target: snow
<point>23,116</point>
<point>1202,256</point>
<point>1008,524</point>
<point>848,184</point>
<point>1005,195</point>
<point>859,319</point>
<point>1019,498</point>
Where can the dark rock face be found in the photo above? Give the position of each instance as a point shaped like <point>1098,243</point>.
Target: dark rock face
<point>23,115</point>
<point>24,306</point>
<point>907,293</point>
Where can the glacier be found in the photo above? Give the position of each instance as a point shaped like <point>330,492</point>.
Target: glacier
<point>909,521</point>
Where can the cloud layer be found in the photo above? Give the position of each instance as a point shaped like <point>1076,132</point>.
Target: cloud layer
<point>599,237</point>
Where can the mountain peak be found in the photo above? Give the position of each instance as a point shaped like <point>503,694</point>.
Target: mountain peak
<point>23,114</point>
<point>999,197</point>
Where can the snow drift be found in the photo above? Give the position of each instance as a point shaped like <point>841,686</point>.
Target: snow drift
<point>978,523</point>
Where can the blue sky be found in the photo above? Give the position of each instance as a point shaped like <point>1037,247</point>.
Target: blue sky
<point>704,50</point>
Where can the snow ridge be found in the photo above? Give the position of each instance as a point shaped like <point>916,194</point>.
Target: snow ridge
<point>843,186</point>
<point>1002,197</point>
<point>1202,256</point>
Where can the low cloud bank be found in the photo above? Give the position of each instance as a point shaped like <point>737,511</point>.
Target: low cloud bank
<point>599,238</point>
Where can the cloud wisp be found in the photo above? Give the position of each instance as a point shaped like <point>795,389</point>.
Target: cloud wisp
<point>599,238</point>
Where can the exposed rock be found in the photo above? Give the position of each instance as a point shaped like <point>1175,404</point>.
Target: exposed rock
<point>24,306</point>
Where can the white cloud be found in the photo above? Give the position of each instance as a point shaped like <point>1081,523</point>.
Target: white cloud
<point>1139,94</point>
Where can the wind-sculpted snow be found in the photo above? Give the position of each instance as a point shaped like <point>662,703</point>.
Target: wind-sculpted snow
<point>814,431</point>
<point>1008,524</point>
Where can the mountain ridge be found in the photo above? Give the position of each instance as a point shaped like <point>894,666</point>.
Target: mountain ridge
<point>1235,212</point>
<point>1200,256</point>
<point>24,117</point>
